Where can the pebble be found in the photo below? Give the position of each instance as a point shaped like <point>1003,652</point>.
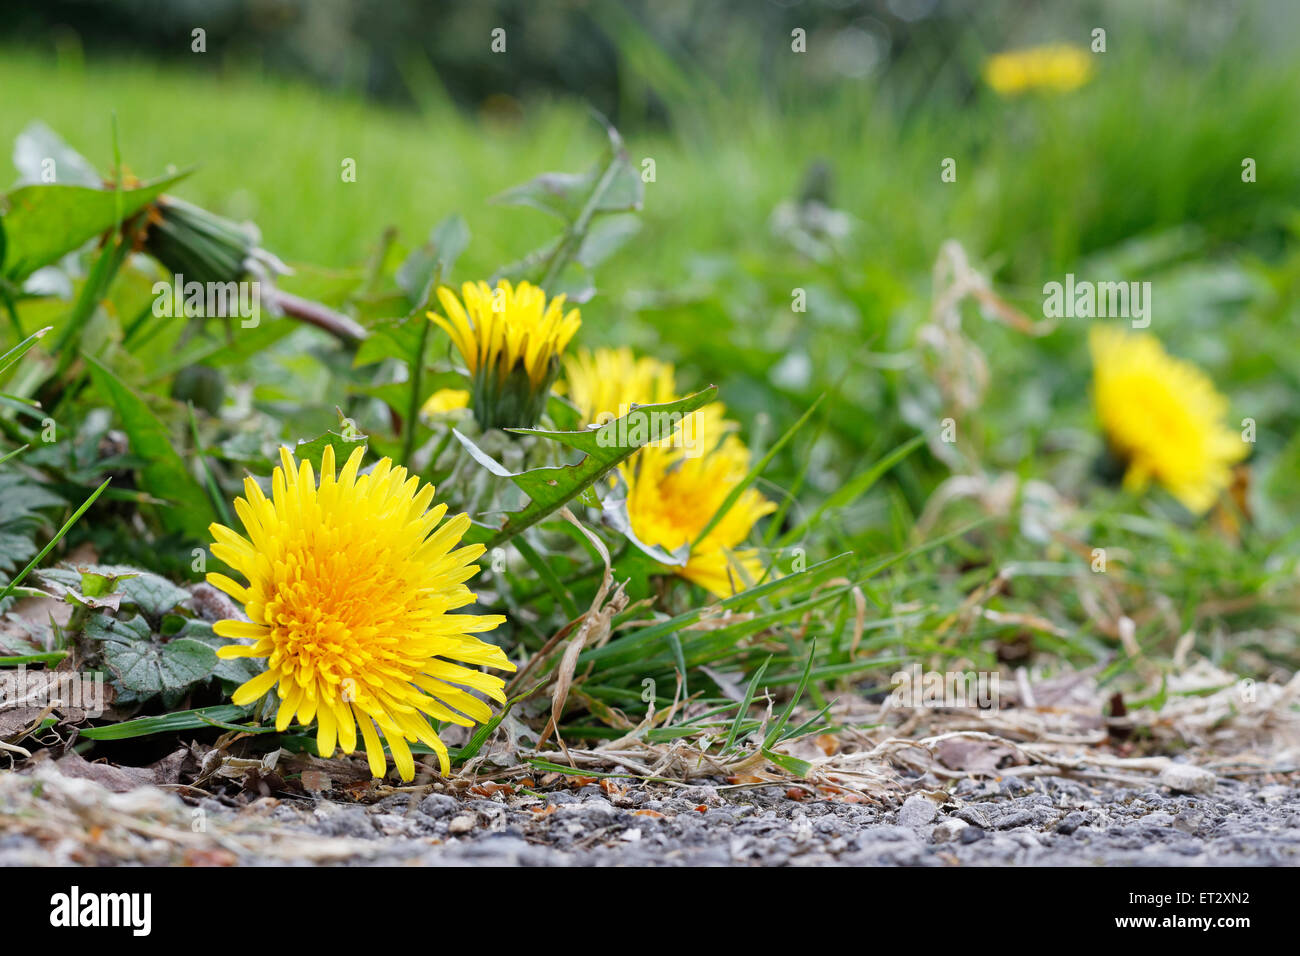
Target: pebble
<point>948,830</point>
<point>1071,822</point>
<point>1186,778</point>
<point>439,805</point>
<point>917,811</point>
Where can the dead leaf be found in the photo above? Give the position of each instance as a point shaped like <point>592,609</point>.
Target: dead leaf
<point>116,779</point>
<point>316,781</point>
<point>594,630</point>
<point>973,755</point>
<point>491,789</point>
<point>168,769</point>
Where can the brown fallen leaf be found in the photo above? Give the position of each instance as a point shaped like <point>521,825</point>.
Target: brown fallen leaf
<point>975,756</point>
<point>116,779</point>
<point>316,781</point>
<point>490,789</point>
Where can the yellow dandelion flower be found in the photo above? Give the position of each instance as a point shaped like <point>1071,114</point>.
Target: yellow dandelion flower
<point>1057,68</point>
<point>348,598</point>
<point>671,497</point>
<point>608,382</point>
<point>675,483</point>
<point>511,339</point>
<point>445,400</point>
<point>1162,417</point>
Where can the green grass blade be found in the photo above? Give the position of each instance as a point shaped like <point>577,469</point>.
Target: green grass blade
<point>19,350</point>
<point>221,716</point>
<point>67,526</point>
<point>774,734</point>
<point>750,690</point>
<point>754,472</point>
<point>854,489</point>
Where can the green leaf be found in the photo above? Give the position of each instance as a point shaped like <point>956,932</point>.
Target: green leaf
<point>743,712</point>
<point>97,585</point>
<point>237,669</point>
<point>774,735</point>
<point>20,499</point>
<point>392,338</point>
<point>152,593</point>
<point>794,765</point>
<point>166,475</point>
<point>611,185</point>
<point>432,262</point>
<point>37,143</point>
<point>48,658</point>
<point>606,237</point>
<point>604,448</point>
<point>19,350</point>
<point>220,716</point>
<point>343,444</point>
<point>43,223</point>
<point>146,665</point>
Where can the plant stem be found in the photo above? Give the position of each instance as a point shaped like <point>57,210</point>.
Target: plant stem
<point>336,324</point>
<point>413,407</point>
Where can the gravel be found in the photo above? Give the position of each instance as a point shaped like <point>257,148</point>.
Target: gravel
<point>1046,821</point>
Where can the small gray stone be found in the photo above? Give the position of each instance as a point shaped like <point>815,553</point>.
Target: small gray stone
<point>1186,778</point>
<point>948,830</point>
<point>439,805</point>
<point>1015,818</point>
<point>461,824</point>
<point>975,816</point>
<point>917,811</point>
<point>1071,822</point>
<point>1159,819</point>
<point>347,822</point>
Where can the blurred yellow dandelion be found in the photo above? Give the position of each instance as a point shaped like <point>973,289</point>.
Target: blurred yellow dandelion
<point>349,595</point>
<point>676,483</point>
<point>445,400</point>
<point>609,381</point>
<point>672,496</point>
<point>1057,68</point>
<point>1162,418</point>
<point>511,339</point>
